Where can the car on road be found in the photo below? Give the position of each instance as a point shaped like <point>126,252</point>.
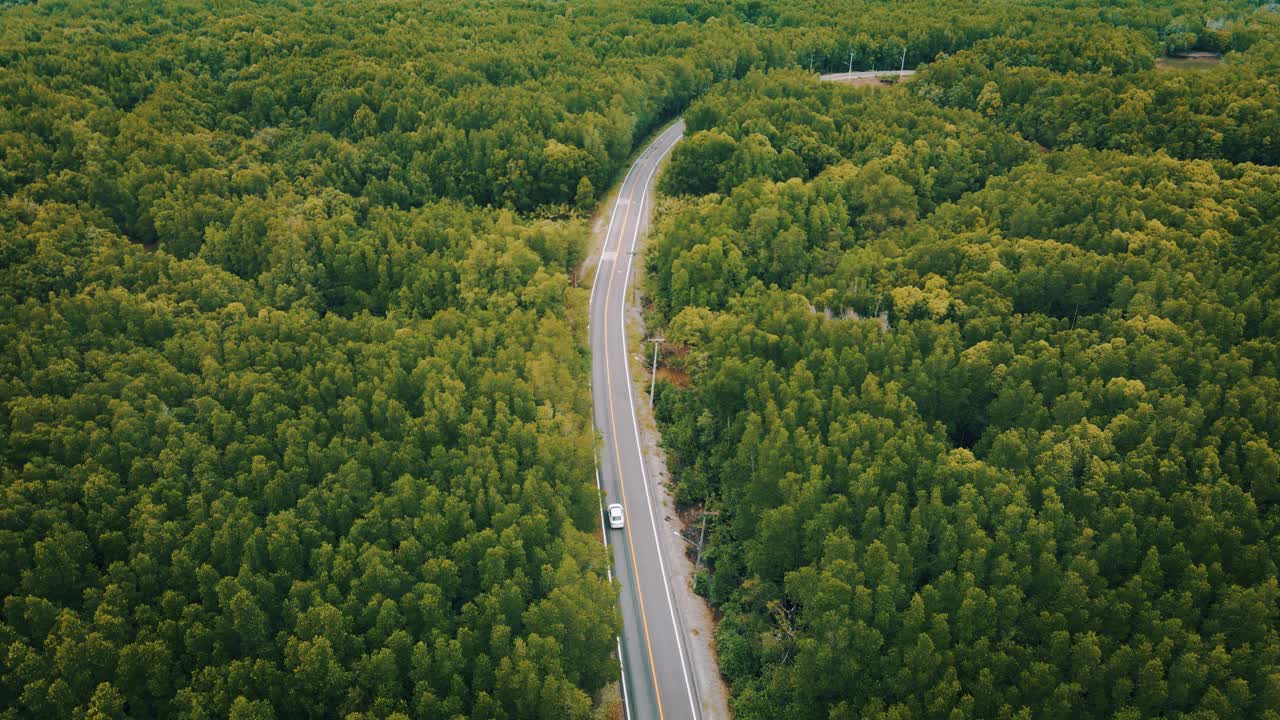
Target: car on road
<point>615,516</point>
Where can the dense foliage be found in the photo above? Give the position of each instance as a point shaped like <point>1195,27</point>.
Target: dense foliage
<point>293,415</point>
<point>1059,92</point>
<point>215,507</point>
<point>990,431</point>
<point>397,105</point>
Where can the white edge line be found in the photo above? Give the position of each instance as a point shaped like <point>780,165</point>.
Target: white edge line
<point>644,475</point>
<point>604,533</point>
<point>626,700</point>
<point>604,247</point>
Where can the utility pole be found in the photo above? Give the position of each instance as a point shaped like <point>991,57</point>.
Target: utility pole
<point>702,533</point>
<point>653,384</point>
<point>850,60</point>
<point>904,60</point>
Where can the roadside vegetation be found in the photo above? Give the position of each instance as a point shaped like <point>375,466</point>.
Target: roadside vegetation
<point>982,385</point>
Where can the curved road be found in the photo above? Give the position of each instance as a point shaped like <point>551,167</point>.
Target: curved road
<point>657,682</point>
<point>655,665</point>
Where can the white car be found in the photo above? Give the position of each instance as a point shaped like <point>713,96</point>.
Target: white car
<point>615,516</point>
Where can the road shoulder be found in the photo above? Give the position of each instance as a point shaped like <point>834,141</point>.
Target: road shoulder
<point>695,615</point>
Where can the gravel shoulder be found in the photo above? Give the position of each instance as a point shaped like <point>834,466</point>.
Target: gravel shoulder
<point>695,613</point>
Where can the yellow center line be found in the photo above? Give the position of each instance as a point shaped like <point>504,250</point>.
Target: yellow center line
<point>617,453</point>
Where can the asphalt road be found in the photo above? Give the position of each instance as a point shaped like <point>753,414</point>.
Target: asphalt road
<point>836,77</point>
<point>656,679</point>
<point>655,665</point>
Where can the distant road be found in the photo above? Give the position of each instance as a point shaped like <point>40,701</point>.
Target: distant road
<point>657,682</point>
<point>858,74</point>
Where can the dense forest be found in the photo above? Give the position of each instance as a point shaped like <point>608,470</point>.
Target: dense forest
<point>1059,94</point>
<point>979,377</point>
<point>294,414</point>
<point>214,507</point>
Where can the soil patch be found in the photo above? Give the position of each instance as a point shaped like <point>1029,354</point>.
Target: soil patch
<point>679,378</point>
